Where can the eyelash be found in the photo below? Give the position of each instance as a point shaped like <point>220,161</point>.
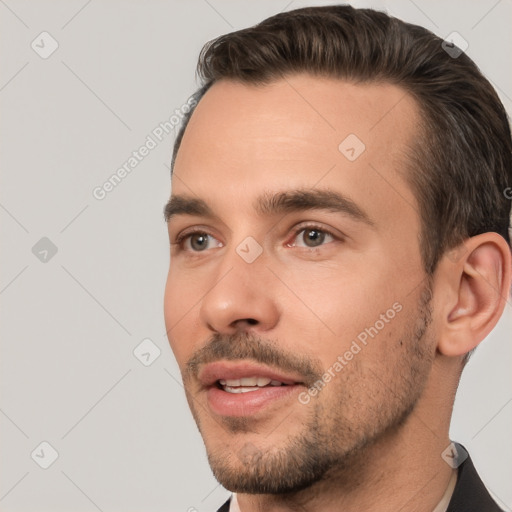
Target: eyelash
<point>184,236</point>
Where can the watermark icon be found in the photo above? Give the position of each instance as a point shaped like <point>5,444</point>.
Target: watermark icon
<point>146,352</point>
<point>454,455</point>
<point>249,249</point>
<point>44,250</point>
<point>352,147</point>
<point>44,455</point>
<point>44,45</point>
<point>508,193</point>
<point>454,45</point>
<point>342,360</point>
<point>153,139</point>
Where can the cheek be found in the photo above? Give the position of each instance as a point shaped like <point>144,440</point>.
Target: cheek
<point>363,371</point>
<point>178,314</point>
<point>170,303</point>
<point>345,299</point>
<point>183,290</point>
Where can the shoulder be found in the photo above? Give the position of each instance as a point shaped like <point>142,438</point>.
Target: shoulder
<point>470,494</point>
<point>225,506</point>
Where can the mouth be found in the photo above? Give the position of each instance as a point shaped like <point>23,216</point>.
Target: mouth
<point>246,388</point>
<point>247,384</point>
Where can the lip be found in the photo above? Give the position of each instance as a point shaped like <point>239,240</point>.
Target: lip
<point>213,372</point>
<point>224,403</point>
<point>271,398</point>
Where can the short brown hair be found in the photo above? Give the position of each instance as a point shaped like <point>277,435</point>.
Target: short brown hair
<point>461,166</point>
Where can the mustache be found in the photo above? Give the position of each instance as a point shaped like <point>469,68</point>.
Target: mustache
<point>244,346</point>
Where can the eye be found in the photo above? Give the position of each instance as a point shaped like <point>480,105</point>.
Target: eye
<point>196,241</point>
<point>311,236</point>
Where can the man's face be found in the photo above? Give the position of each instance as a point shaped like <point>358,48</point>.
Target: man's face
<point>330,299</point>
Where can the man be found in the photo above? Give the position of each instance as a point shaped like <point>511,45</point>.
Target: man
<point>339,246</point>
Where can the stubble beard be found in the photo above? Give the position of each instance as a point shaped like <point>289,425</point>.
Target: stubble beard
<point>334,438</point>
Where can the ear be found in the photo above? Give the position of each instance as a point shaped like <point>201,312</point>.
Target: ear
<point>473,283</point>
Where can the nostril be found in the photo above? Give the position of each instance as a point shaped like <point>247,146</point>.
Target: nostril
<point>244,322</point>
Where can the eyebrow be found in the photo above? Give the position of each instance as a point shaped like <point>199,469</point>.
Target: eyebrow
<point>274,203</point>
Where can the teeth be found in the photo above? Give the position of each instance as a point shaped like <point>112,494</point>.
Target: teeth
<point>249,383</point>
<point>240,389</point>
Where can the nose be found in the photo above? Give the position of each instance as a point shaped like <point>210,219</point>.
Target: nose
<point>240,298</point>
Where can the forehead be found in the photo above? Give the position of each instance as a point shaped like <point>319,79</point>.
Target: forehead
<point>299,132</point>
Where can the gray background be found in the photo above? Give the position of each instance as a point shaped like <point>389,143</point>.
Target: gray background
<point>125,438</point>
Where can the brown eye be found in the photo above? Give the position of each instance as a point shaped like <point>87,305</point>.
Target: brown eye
<point>312,237</point>
<point>199,241</point>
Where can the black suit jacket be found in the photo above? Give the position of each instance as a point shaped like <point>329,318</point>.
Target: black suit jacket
<point>469,495</point>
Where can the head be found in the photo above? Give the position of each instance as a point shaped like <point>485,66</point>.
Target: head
<point>338,216</point>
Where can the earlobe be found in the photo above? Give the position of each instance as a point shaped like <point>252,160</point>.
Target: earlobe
<point>480,285</point>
